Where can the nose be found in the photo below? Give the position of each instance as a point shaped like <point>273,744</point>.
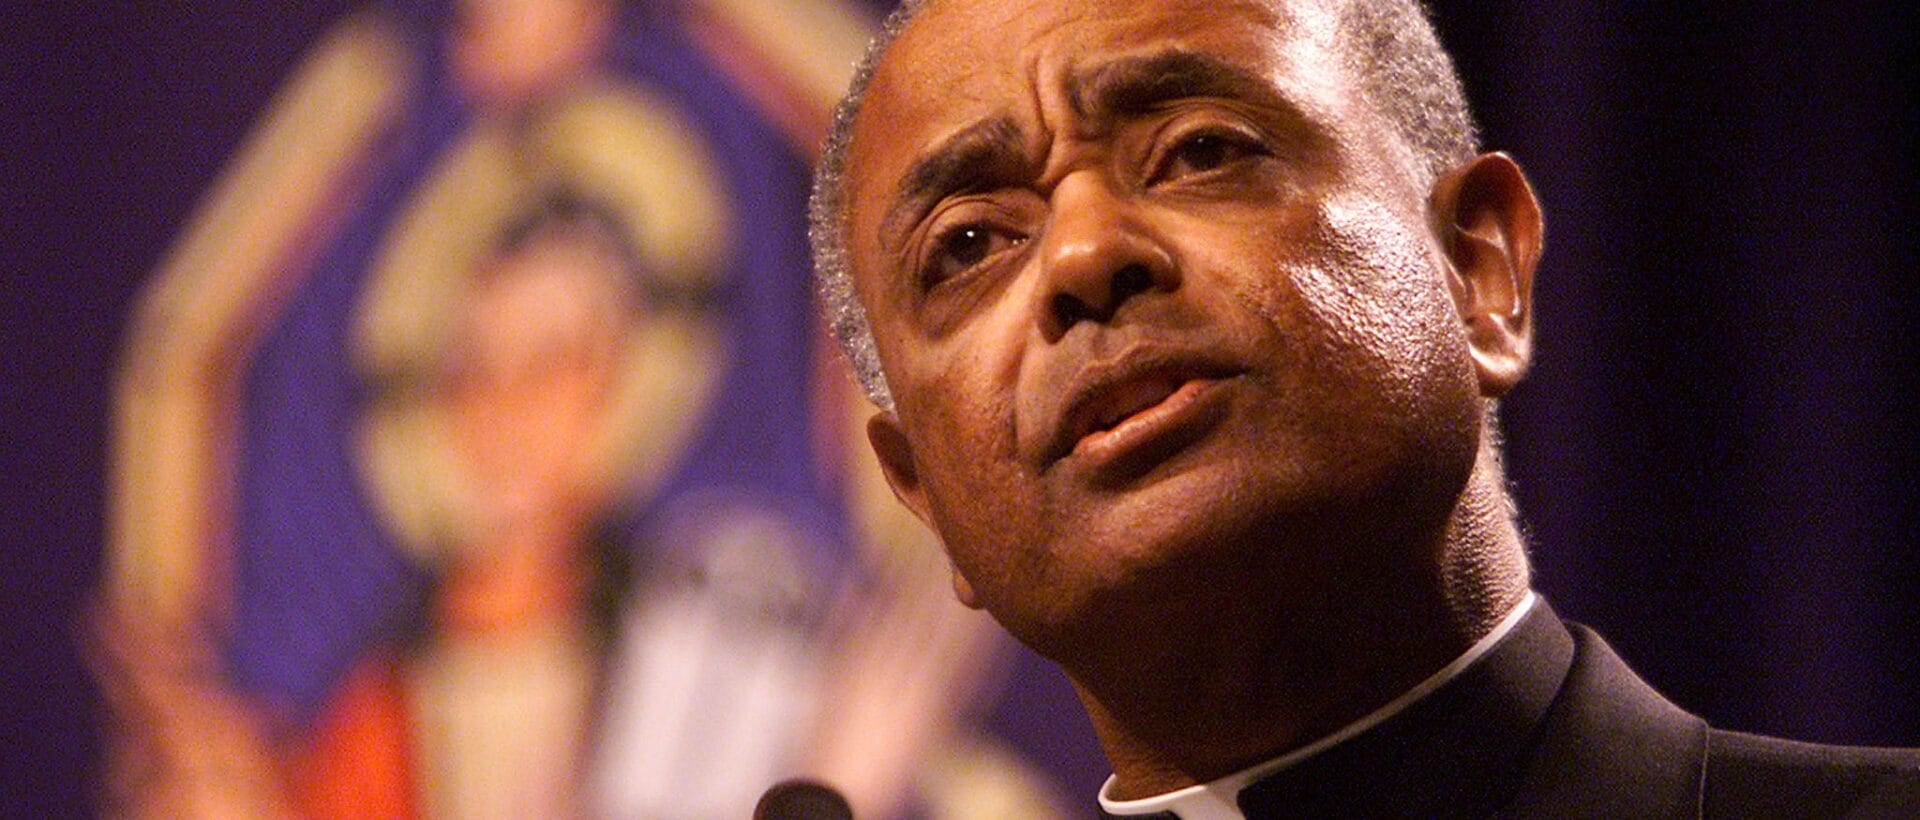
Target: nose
<point>1096,254</point>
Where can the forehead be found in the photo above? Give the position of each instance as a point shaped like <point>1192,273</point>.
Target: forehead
<point>963,62</point>
<point>989,38</point>
<point>996,52</point>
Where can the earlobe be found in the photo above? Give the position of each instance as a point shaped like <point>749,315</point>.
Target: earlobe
<point>963,589</point>
<point>1490,226</point>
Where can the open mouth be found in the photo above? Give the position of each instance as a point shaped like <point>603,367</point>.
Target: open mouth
<point>1166,404</point>
<point>1125,402</point>
<point>1119,412</point>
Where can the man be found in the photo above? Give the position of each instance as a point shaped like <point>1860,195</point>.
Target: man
<point>1187,319</point>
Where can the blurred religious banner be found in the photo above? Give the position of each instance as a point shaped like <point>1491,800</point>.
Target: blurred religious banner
<point>477,453</point>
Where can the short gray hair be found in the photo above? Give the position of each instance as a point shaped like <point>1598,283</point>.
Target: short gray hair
<point>1404,74</point>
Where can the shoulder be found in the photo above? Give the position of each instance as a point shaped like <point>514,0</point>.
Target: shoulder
<point>1753,776</point>
<point>1622,731</point>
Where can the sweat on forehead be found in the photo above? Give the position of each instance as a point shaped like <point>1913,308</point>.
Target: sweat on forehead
<point>1389,46</point>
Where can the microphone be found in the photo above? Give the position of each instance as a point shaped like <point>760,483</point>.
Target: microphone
<point>802,800</point>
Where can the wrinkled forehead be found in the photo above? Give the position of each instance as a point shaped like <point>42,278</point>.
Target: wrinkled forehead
<point>961,62</point>
<point>968,44</point>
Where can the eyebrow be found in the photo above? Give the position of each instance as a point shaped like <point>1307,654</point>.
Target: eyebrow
<point>1138,85</point>
<point>990,154</point>
<point>982,156</point>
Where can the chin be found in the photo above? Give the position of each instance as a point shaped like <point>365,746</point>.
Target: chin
<point>1196,546</point>
<point>1142,555</point>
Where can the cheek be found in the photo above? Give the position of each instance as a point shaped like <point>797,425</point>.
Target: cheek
<point>964,386</point>
<point>967,464</point>
<point>983,500</point>
<point>957,399</point>
<point>1388,288</point>
<point>1364,296</point>
<point>983,505</point>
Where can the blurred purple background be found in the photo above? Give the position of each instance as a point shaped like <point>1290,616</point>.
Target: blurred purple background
<point>1713,452</point>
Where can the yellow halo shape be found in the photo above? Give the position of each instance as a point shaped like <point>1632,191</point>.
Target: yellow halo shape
<point>612,144</point>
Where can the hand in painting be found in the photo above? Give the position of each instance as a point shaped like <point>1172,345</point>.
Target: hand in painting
<point>186,744</point>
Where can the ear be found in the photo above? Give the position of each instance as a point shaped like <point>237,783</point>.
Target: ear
<point>1488,221</point>
<point>895,452</point>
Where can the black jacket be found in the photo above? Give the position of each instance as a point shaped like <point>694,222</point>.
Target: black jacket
<point>1551,723</point>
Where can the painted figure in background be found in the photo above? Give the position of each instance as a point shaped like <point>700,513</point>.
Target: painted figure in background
<point>470,463</point>
<point>502,680</point>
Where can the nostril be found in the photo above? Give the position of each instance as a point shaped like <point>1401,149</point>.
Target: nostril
<point>1131,280</point>
<point>1068,309</point>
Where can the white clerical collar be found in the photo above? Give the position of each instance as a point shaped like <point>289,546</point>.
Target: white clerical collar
<point>1220,799</point>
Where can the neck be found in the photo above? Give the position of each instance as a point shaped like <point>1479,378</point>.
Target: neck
<point>1223,683</point>
<point>528,576</point>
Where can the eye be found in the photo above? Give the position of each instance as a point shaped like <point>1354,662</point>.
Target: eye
<point>1203,151</point>
<point>959,249</point>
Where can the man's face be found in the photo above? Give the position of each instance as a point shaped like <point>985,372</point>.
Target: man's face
<point>1158,306</point>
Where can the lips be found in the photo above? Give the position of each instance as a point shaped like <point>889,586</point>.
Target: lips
<point>1126,398</point>
<point>1107,409</point>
